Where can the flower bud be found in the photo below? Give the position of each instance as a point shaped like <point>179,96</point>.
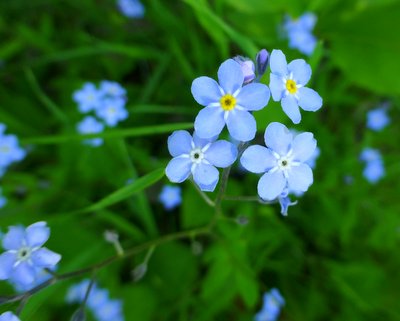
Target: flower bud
<point>262,60</point>
<point>247,68</point>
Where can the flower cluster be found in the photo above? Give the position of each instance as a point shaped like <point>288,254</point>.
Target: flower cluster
<point>374,169</point>
<point>8,316</point>
<point>131,8</point>
<point>106,102</point>
<point>299,33</point>
<point>99,303</point>
<point>377,119</point>
<point>170,197</point>
<point>272,304</point>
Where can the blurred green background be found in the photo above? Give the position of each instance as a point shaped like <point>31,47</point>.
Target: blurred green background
<point>333,258</point>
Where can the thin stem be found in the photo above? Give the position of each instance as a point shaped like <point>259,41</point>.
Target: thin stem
<point>203,195</point>
<point>246,199</point>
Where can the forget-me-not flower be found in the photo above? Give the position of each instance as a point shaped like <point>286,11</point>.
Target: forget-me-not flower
<point>272,304</point>
<point>89,125</point>
<point>198,157</point>
<point>8,316</point>
<point>10,151</point>
<point>374,169</point>
<point>227,102</point>
<point>283,161</point>
<point>170,196</point>
<point>25,253</point>
<point>287,84</point>
<point>112,111</point>
<point>299,32</point>
<point>131,8</point>
<point>111,89</point>
<point>377,119</point>
<point>88,98</point>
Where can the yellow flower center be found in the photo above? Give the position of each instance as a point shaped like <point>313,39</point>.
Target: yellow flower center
<point>291,86</point>
<point>228,102</point>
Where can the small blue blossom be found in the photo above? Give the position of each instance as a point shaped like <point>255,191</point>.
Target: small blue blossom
<point>8,316</point>
<point>25,255</point>
<point>374,169</point>
<point>88,98</point>
<point>299,32</point>
<point>89,125</point>
<point>198,157</point>
<point>112,89</point>
<point>227,102</point>
<point>272,304</point>
<point>10,151</point>
<point>369,155</point>
<point>170,196</point>
<point>283,161</point>
<point>377,119</point>
<point>112,111</point>
<point>131,8</point>
<point>287,83</point>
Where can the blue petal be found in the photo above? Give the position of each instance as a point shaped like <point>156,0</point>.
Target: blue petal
<point>278,138</point>
<point>23,274</point>
<point>257,159</point>
<point>179,142</point>
<point>178,169</point>
<point>303,146</point>
<point>300,178</point>
<point>209,122</point>
<point>291,108</point>
<point>309,99</point>
<point>221,153</point>
<point>37,234</point>
<point>301,71</point>
<point>7,261</point>
<point>201,142</point>
<point>9,316</point>
<point>14,238</point>
<point>374,171</point>
<point>271,185</point>
<point>307,21</point>
<point>206,176</point>
<point>277,87</point>
<point>241,125</point>
<point>230,76</point>
<point>278,63</point>
<point>205,91</point>
<point>253,96</point>
<point>45,258</point>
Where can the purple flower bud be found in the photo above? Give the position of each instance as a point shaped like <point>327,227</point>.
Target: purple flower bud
<point>247,67</point>
<point>262,60</point>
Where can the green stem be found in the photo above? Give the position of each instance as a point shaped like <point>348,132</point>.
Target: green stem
<point>203,195</point>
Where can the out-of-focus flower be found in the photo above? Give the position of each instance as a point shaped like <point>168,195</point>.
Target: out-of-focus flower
<point>8,316</point>
<point>89,125</point>
<point>170,196</point>
<point>299,32</point>
<point>131,8</point>
<point>10,151</point>
<point>111,89</point>
<point>112,111</point>
<point>377,119</point>
<point>88,98</point>
<point>272,304</point>
<point>374,169</point>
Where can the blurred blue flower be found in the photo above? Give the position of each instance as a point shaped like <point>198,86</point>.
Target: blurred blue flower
<point>283,161</point>
<point>3,200</point>
<point>10,151</point>
<point>198,157</point>
<point>112,111</point>
<point>299,32</point>
<point>228,103</point>
<point>287,83</point>
<point>377,119</point>
<point>374,169</point>
<point>88,98</point>
<point>131,8</point>
<point>112,89</point>
<point>170,196</point>
<point>272,304</point>
<point>89,125</point>
<point>8,316</point>
<point>25,254</point>
<point>370,155</point>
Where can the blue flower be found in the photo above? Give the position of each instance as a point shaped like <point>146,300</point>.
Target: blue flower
<point>109,311</point>
<point>283,162</point>
<point>25,254</point>
<point>198,157</point>
<point>112,111</point>
<point>131,8</point>
<point>88,98</point>
<point>287,83</point>
<point>170,196</point>
<point>272,304</point>
<point>377,119</point>
<point>89,125</point>
<point>112,89</point>
<point>228,103</point>
<point>8,316</point>
<point>10,151</point>
<point>374,169</point>
<point>299,32</point>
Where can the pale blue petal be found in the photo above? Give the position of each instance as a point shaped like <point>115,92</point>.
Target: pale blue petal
<point>303,147</point>
<point>277,87</point>
<point>309,99</point>
<point>179,142</point>
<point>300,178</point>
<point>23,274</point>
<point>205,91</point>
<point>45,258</point>
<point>14,238</point>
<point>201,142</point>
<point>257,159</point>
<point>241,125</point>
<point>178,169</point>
<point>8,316</point>
<point>307,21</point>
<point>291,108</point>
<point>206,176</point>
<point>374,171</point>
<point>37,234</point>
<point>253,96</point>
<point>271,185</point>
<point>7,261</point>
<point>221,153</point>
<point>301,71</point>
<point>278,63</point>
<point>230,76</point>
<point>278,138</point>
<point>209,122</point>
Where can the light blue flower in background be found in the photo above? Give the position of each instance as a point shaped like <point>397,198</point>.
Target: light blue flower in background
<point>377,119</point>
<point>112,111</point>
<point>272,304</point>
<point>25,254</point>
<point>131,8</point>
<point>283,161</point>
<point>198,157</point>
<point>370,155</point>
<point>287,84</point>
<point>170,196</point>
<point>88,98</point>
<point>299,32</point>
<point>10,151</point>
<point>110,310</point>
<point>227,102</point>
<point>112,89</point>
<point>8,316</point>
<point>89,125</point>
<point>374,169</point>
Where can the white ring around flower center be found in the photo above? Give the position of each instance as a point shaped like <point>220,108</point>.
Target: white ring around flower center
<point>24,253</point>
<point>196,155</point>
